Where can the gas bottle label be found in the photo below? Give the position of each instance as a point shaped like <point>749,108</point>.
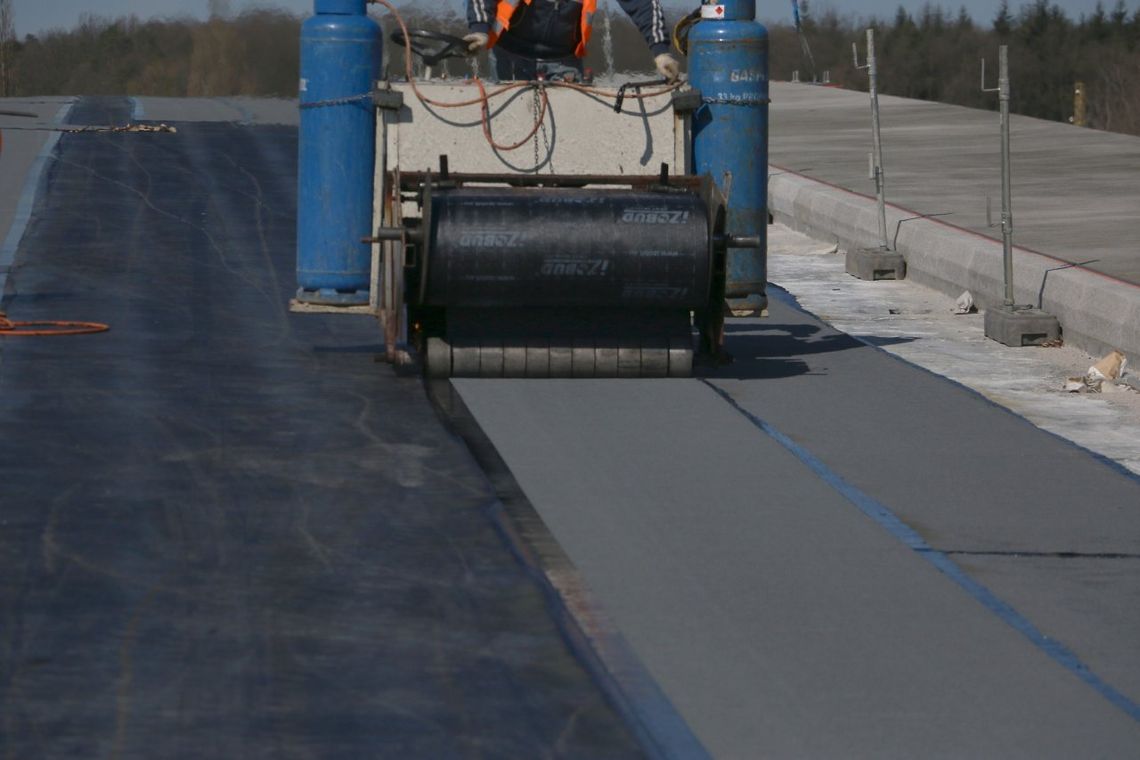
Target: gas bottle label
<point>736,98</point>
<point>746,75</point>
<point>714,11</point>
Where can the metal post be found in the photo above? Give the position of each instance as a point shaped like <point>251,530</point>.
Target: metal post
<point>1006,203</point>
<point>1080,109</point>
<point>1011,324</point>
<point>879,263</point>
<point>877,158</point>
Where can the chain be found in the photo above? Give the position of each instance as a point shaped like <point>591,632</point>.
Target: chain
<point>549,150</point>
<point>536,105</point>
<point>337,101</point>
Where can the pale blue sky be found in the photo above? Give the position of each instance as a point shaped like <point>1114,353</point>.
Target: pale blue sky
<point>32,16</point>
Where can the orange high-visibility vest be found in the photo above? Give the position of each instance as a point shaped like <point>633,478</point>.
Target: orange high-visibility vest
<point>505,11</point>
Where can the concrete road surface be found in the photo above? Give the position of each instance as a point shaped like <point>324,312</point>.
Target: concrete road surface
<point>1076,195</point>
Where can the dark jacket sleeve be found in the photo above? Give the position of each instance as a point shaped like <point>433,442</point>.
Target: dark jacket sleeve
<point>480,14</point>
<point>649,16</point>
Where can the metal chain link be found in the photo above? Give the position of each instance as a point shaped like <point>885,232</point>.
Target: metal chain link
<point>536,104</point>
<point>338,101</point>
<point>549,150</point>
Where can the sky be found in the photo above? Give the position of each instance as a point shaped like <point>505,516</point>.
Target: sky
<point>33,16</point>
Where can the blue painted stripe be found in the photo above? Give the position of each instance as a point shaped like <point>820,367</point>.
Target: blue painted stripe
<point>28,197</point>
<point>1055,650</point>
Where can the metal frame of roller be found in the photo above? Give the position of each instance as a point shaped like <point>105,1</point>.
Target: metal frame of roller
<point>539,276</point>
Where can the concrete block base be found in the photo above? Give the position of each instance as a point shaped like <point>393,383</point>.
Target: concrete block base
<point>1021,326</point>
<point>753,305</point>
<point>876,264</point>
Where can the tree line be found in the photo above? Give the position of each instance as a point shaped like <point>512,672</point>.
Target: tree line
<point>936,56</point>
<point>931,55</point>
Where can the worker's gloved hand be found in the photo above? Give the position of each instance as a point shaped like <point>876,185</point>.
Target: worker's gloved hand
<point>476,41</point>
<point>668,66</point>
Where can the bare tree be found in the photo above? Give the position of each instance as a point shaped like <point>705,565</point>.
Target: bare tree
<point>7,39</point>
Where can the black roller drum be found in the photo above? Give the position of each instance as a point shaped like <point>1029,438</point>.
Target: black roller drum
<point>567,247</point>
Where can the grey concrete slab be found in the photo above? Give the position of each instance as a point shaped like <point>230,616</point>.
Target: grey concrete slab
<point>22,140</point>
<point>778,618</point>
<point>1075,194</point>
<point>1097,312</point>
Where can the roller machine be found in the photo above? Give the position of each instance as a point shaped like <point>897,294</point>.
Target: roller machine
<point>538,276</point>
<point>547,275</point>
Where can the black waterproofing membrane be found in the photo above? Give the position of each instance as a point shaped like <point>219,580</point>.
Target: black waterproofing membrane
<point>225,530</point>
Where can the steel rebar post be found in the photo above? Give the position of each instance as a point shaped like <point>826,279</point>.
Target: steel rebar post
<point>1006,203</point>
<point>880,179</point>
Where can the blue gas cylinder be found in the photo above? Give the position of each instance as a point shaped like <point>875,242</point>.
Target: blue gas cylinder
<point>340,61</point>
<point>728,64</point>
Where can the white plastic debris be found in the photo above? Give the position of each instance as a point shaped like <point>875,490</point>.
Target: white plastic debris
<point>1076,385</point>
<point>965,304</point>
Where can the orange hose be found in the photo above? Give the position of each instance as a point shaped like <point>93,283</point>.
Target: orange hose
<point>483,101</point>
<point>486,116</point>
<point>56,327</point>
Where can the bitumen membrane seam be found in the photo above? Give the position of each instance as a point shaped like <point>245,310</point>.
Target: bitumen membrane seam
<point>941,561</point>
<point>1044,555</point>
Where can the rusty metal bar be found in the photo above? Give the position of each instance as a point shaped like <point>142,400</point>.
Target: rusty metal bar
<point>413,180</point>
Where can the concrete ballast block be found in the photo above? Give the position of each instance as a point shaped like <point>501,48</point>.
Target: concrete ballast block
<point>876,264</point>
<point>1021,326</point>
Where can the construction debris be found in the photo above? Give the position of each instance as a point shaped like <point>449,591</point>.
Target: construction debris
<point>1111,369</point>
<point>965,304</point>
<point>123,128</point>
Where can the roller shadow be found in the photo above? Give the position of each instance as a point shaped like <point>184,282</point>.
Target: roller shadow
<point>771,350</point>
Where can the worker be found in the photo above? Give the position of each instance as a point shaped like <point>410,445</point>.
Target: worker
<point>549,37</point>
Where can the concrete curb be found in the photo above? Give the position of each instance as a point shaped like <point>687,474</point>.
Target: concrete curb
<point>1097,313</point>
<point>10,243</point>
